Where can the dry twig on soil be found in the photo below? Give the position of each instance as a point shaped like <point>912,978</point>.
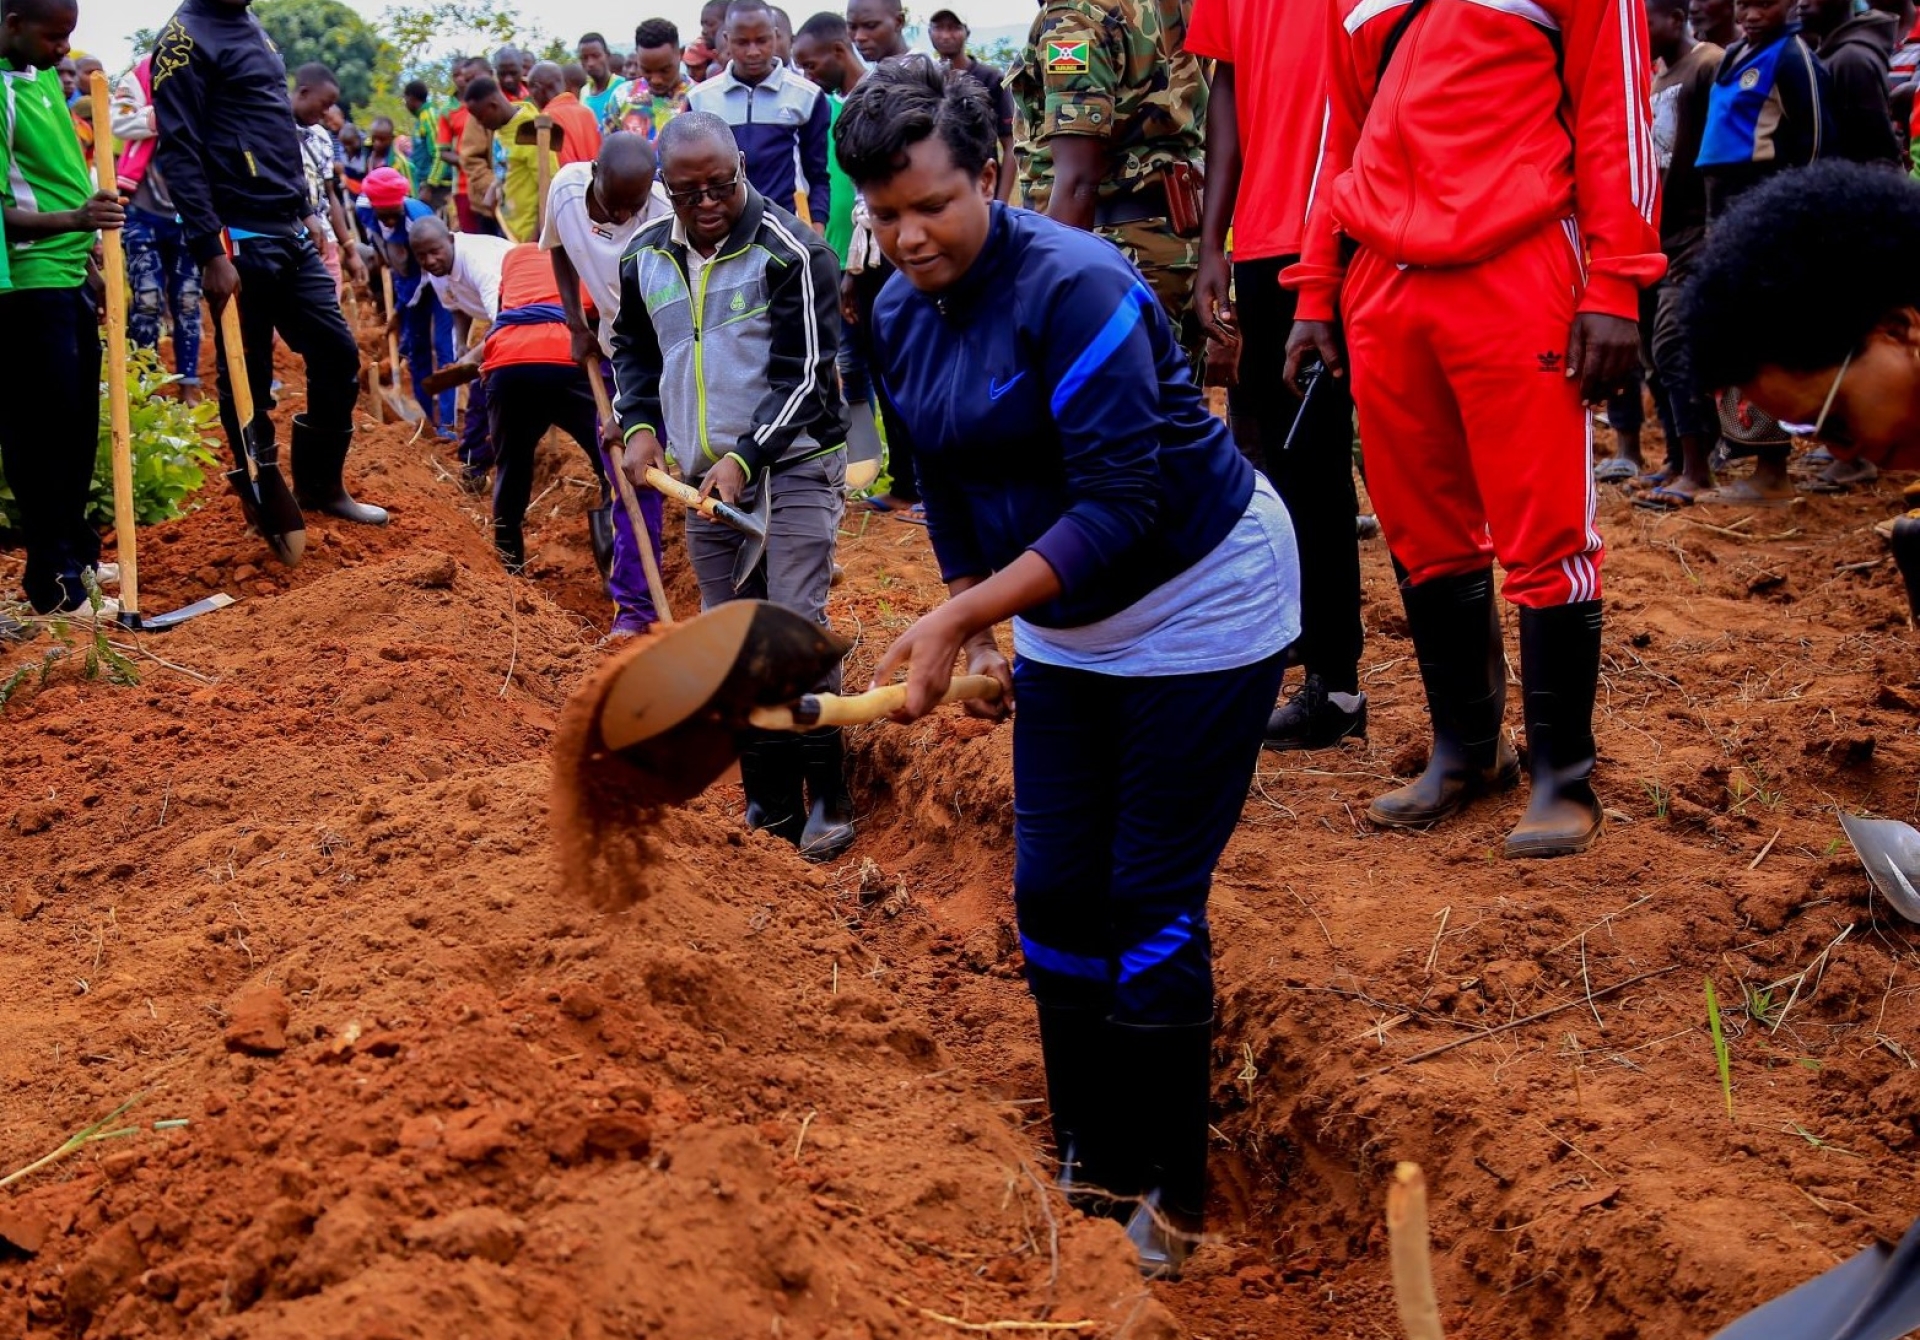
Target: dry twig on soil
<point>1511,1024</point>
<point>995,1327</point>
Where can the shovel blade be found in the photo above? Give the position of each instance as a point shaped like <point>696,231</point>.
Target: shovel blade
<point>271,510</point>
<point>863,449</point>
<point>1818,1309</point>
<point>135,622</point>
<point>401,406</point>
<point>1890,850</point>
<point>754,548</point>
<point>674,707</point>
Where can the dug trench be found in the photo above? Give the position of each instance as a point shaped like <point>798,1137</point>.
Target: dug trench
<point>296,889</point>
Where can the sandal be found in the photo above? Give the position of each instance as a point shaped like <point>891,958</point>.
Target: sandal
<point>1663,500</point>
<point>1615,470</point>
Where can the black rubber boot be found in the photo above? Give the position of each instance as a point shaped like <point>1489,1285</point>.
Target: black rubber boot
<point>1906,555</point>
<point>1096,1173</point>
<point>319,462</point>
<point>511,545</point>
<point>829,829</point>
<point>770,766</point>
<point>1456,635</point>
<point>1170,1071</point>
<point>600,536</point>
<point>1316,719</point>
<point>1559,672</point>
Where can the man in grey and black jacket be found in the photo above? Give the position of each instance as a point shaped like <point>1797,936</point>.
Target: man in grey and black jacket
<point>724,348</point>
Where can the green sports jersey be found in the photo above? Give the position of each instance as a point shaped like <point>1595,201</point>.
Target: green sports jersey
<point>840,201</point>
<point>42,170</point>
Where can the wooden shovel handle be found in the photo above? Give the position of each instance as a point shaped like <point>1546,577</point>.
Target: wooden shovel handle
<point>113,267</point>
<point>709,506</point>
<point>656,588</point>
<point>393,336</point>
<point>816,710</point>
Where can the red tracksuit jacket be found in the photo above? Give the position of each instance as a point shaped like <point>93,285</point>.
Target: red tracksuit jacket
<point>1494,119</point>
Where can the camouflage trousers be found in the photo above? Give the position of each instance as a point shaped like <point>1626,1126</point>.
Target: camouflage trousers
<point>1168,263</point>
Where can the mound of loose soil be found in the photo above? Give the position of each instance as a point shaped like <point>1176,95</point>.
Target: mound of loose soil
<point>296,888</point>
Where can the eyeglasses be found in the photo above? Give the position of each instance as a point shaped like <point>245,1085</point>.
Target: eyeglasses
<point>717,192</point>
<point>1819,424</point>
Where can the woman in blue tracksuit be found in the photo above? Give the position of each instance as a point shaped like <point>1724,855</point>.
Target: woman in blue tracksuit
<point>1075,483</point>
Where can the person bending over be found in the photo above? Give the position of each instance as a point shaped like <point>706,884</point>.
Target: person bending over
<point>1076,485</point>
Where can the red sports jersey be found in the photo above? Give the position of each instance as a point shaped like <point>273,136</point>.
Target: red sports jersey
<point>1493,119</point>
<point>1278,52</point>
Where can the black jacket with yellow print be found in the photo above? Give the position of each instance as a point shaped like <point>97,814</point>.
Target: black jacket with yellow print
<point>229,148</point>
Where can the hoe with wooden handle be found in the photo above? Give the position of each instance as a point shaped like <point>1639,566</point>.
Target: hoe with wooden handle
<point>675,708</point>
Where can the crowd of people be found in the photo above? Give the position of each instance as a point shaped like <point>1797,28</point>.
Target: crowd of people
<point>1466,227</point>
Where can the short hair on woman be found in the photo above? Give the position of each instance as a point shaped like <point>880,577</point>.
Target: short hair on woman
<point>904,101</point>
<point>1801,270</point>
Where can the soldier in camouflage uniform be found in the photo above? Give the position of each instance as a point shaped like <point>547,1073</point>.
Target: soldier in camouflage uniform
<point>1115,74</point>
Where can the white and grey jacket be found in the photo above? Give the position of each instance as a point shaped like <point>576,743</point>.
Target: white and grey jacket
<point>734,357</point>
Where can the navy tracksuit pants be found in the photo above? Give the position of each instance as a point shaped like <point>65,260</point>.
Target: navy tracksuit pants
<point>1125,791</point>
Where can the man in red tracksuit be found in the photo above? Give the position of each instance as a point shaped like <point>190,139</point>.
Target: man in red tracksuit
<point>1483,221</point>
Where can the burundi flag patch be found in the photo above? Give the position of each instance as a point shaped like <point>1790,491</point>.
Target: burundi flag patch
<point>1067,57</point>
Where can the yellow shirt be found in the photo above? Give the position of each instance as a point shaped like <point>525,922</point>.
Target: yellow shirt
<point>520,194</point>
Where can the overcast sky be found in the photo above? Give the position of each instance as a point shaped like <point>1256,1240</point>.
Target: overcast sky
<point>106,25</point>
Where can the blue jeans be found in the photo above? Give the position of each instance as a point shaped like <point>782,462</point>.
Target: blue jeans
<point>164,282</point>
<point>1125,791</point>
<point>426,342</point>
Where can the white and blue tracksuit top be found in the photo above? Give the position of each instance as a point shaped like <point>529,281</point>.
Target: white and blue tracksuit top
<point>781,125</point>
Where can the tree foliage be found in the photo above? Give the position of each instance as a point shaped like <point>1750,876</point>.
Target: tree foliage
<point>329,32</point>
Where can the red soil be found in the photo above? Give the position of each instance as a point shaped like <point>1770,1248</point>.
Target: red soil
<point>297,888</point>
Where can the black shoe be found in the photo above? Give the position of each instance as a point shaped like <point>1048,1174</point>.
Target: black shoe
<point>1559,673</point>
<point>511,545</point>
<point>1170,1072</point>
<point>770,766</point>
<point>1097,1173</point>
<point>600,536</point>
<point>319,461</point>
<point>1456,636</point>
<point>1316,719</point>
<point>829,828</point>
<point>1905,543</point>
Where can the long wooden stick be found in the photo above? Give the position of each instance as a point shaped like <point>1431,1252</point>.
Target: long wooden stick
<point>642,535</point>
<point>113,265</point>
<point>1407,1237</point>
<point>1511,1024</point>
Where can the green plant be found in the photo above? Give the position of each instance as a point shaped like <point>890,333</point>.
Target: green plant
<point>1760,789</point>
<point>1720,1054</point>
<point>1761,1006</point>
<point>172,448</point>
<point>1658,795</point>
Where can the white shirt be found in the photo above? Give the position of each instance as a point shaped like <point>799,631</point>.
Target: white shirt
<point>473,285</point>
<point>595,249</point>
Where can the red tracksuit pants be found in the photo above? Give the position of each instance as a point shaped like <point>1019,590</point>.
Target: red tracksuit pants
<point>1477,446</point>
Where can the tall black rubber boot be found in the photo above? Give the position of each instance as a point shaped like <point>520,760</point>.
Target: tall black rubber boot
<point>829,829</point>
<point>319,465</point>
<point>600,536</point>
<point>1170,1073</point>
<point>770,765</point>
<point>1097,1174</point>
<point>1559,673</point>
<point>1456,636</point>
<point>511,545</point>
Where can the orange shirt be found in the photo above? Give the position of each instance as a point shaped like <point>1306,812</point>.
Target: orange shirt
<point>526,280</point>
<point>580,133</point>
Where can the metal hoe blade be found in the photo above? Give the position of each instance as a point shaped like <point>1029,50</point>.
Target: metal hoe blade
<point>676,708</point>
<point>1890,850</point>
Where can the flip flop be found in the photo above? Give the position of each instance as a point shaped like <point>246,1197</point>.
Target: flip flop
<point>1653,479</point>
<point>1663,500</point>
<point>915,515</point>
<point>1615,470</point>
